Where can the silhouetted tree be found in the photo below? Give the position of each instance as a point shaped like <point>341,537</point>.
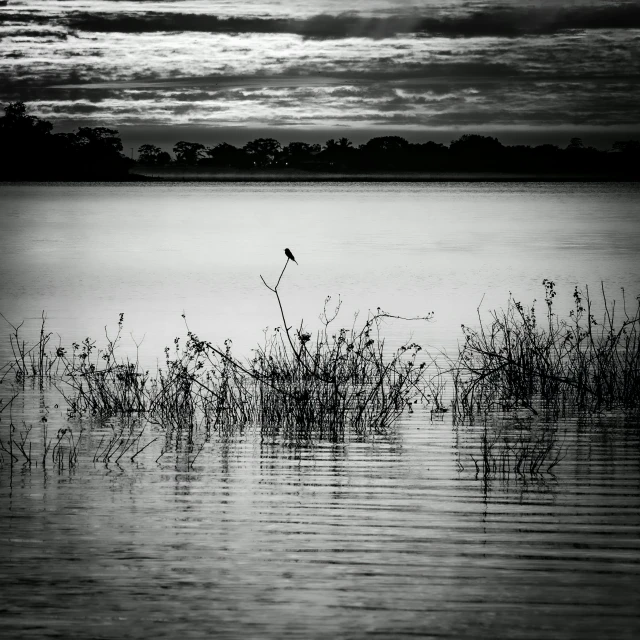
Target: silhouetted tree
<point>386,152</point>
<point>476,145</point>
<point>17,123</point>
<point>431,147</point>
<point>188,152</point>
<point>627,146</point>
<point>427,156</point>
<point>99,152</point>
<point>385,145</point>
<point>24,141</point>
<point>67,148</point>
<point>581,159</point>
<point>13,112</point>
<point>31,151</point>
<point>225,155</point>
<point>575,143</point>
<point>625,158</point>
<point>474,152</point>
<point>263,152</point>
<point>297,154</point>
<point>338,145</point>
<point>152,155</point>
<point>546,149</point>
<point>340,154</point>
<point>100,138</point>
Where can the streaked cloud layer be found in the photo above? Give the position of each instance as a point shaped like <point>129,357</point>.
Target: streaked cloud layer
<point>376,64</point>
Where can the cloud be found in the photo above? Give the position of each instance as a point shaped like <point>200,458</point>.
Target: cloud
<point>519,103</point>
<point>535,64</point>
<point>27,17</point>
<point>498,21</point>
<point>519,21</point>
<point>418,74</point>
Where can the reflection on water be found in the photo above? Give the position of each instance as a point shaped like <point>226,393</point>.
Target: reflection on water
<point>425,532</point>
<point>86,253</point>
<point>400,536</point>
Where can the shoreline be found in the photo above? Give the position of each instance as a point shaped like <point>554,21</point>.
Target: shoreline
<point>195,174</point>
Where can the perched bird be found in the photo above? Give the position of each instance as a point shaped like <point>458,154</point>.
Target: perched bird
<point>289,255</point>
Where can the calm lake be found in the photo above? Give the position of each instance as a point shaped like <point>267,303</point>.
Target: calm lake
<point>399,536</point>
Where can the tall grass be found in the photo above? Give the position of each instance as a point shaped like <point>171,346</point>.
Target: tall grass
<point>500,446</point>
<point>62,449</point>
<point>335,384</point>
<point>584,362</point>
<point>96,382</point>
<point>37,360</point>
<point>338,383</point>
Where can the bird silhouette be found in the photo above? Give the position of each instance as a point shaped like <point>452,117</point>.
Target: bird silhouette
<point>289,255</point>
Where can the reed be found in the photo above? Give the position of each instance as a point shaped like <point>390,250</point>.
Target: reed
<point>36,360</point>
<point>97,383</point>
<point>341,382</point>
<point>63,449</point>
<point>337,384</point>
<point>510,445</point>
<point>123,437</point>
<point>513,360</point>
<point>66,448</point>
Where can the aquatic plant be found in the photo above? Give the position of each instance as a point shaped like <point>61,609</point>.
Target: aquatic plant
<point>120,439</point>
<point>297,386</point>
<point>515,361</point>
<point>32,360</point>
<point>64,447</point>
<point>340,382</point>
<point>95,382</point>
<point>335,382</point>
<point>510,444</point>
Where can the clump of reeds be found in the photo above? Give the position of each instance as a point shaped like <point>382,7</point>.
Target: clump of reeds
<point>38,360</point>
<point>338,382</point>
<point>505,445</point>
<point>95,382</point>
<point>294,386</point>
<point>334,383</point>
<point>123,437</point>
<point>514,360</point>
<point>200,386</point>
<point>63,449</point>
<point>341,381</point>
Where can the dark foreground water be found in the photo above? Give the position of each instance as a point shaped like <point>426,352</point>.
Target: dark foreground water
<point>405,536</point>
<point>400,537</point>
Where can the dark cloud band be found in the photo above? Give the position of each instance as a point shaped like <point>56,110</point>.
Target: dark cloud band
<point>501,21</point>
<point>438,73</point>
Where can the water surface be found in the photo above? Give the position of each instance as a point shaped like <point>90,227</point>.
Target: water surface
<point>396,537</point>
<point>85,253</point>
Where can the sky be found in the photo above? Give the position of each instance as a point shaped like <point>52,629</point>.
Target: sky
<point>214,70</point>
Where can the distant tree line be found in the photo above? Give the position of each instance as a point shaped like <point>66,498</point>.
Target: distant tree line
<point>469,153</point>
<point>32,152</point>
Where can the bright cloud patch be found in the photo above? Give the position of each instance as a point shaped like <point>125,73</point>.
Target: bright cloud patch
<point>326,64</point>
